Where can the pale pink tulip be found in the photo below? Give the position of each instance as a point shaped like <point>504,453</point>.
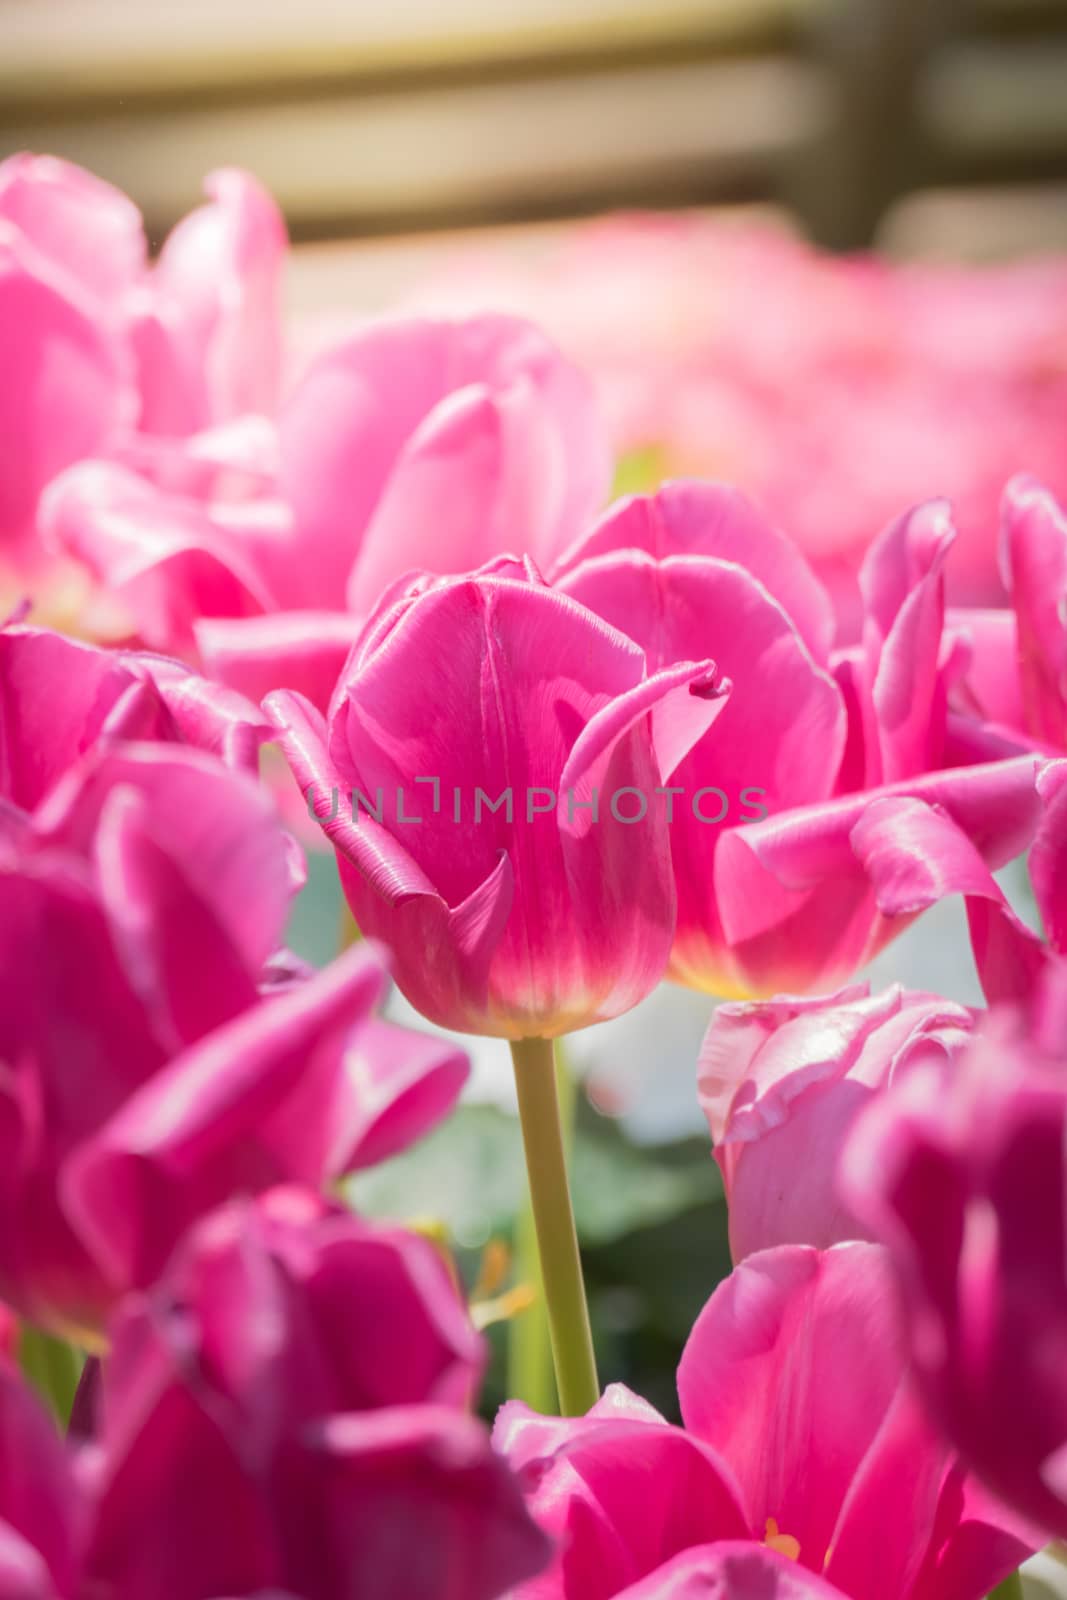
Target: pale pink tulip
<point>781,1083</point>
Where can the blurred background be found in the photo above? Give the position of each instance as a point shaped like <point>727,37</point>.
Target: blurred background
<point>925,126</point>
<point>406,139</point>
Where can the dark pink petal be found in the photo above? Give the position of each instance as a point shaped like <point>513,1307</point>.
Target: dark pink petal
<point>248,1106</point>
<point>220,823</point>
<point>622,1492</point>
<point>424,1469</point>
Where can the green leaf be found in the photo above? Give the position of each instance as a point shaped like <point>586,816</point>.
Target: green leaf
<point>53,1367</point>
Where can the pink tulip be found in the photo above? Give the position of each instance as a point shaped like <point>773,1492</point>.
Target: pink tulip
<point>506,863</point>
<point>101,349</point>
<point>152,1064</point>
<point>288,1408</point>
<point>781,1083</point>
<point>801,1434</point>
<point>786,902</point>
<point>283,1413</point>
<point>962,1173</point>
<point>413,445</point>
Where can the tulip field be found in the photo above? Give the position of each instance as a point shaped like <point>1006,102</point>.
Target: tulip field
<point>476,785</point>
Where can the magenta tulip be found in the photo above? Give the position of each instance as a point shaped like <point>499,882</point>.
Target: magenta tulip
<point>506,837</point>
<point>413,445</point>
<point>287,1412</point>
<point>152,1062</point>
<point>801,1435</point>
<point>781,1083</point>
<point>808,742</point>
<point>962,1172</point>
<point>102,350</point>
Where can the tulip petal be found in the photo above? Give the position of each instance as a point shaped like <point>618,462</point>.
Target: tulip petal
<point>65,392</point>
<point>217,298</point>
<point>808,861</point>
<point>689,518</point>
<point>623,1493</point>
<point>1034,553</point>
<point>421,1467</point>
<point>85,229</point>
<point>397,1085</point>
<point>248,1106</point>
<point>915,856</point>
<point>787,1374</point>
<point>903,590</point>
<point>299,650</point>
<point>221,823</point>
<point>164,555</point>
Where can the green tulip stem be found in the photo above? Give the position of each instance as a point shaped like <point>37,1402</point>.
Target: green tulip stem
<point>557,1238</point>
<point>1010,1589</point>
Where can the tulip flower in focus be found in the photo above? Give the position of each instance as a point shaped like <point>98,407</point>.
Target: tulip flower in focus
<point>801,1435</point>
<point>781,1083</point>
<point>812,739</point>
<point>961,1171</point>
<point>152,1064</point>
<point>493,842</point>
<point>412,445</point>
<point>108,356</point>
